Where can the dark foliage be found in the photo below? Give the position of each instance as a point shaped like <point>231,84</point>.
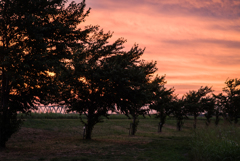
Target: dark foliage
<point>195,101</point>
<point>161,101</point>
<point>36,37</point>
<point>231,101</point>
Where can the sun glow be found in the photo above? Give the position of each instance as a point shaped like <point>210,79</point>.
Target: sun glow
<point>50,74</point>
<point>82,79</point>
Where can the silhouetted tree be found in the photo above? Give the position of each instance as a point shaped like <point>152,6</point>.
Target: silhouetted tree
<point>208,104</point>
<point>219,106</point>
<point>36,37</point>
<point>179,112</point>
<point>194,102</point>
<point>162,102</point>
<point>231,100</point>
<point>141,96</point>
<point>102,77</point>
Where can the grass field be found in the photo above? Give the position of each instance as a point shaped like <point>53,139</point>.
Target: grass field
<point>60,139</point>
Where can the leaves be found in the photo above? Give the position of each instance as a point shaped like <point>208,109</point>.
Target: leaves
<point>36,37</point>
<point>230,101</point>
<point>194,100</point>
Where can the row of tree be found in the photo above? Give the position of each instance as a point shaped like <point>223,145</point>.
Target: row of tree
<point>202,101</point>
<point>47,56</point>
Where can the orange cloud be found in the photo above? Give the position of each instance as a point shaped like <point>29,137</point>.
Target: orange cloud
<point>194,42</point>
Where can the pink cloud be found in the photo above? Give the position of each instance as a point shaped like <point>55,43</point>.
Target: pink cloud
<point>194,42</point>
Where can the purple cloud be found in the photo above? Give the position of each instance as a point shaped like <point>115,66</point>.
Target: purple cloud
<point>226,9</point>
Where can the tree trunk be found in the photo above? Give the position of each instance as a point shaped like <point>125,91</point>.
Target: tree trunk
<point>3,129</point>
<point>89,132</point>
<point>179,125</point>
<point>2,140</point>
<point>160,125</point>
<point>4,108</point>
<point>217,119</point>
<point>162,122</point>
<point>195,122</point>
<point>134,126</point>
<point>90,124</point>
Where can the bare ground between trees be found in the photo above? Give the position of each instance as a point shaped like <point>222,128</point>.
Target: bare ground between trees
<point>34,144</point>
<point>110,142</point>
<point>61,140</point>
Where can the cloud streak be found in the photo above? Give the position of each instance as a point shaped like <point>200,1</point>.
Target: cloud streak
<point>198,42</point>
<point>227,9</point>
<point>194,42</point>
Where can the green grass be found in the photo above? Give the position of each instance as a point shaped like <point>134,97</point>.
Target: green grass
<point>61,140</point>
<point>216,144</point>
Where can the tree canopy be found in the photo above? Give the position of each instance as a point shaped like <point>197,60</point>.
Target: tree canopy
<point>103,77</point>
<point>162,101</point>
<point>36,38</point>
<point>48,56</point>
<point>231,100</point>
<point>194,102</point>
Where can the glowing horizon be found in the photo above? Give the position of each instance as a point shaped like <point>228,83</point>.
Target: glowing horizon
<point>195,43</point>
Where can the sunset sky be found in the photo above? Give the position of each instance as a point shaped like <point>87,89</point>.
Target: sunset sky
<point>195,42</point>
